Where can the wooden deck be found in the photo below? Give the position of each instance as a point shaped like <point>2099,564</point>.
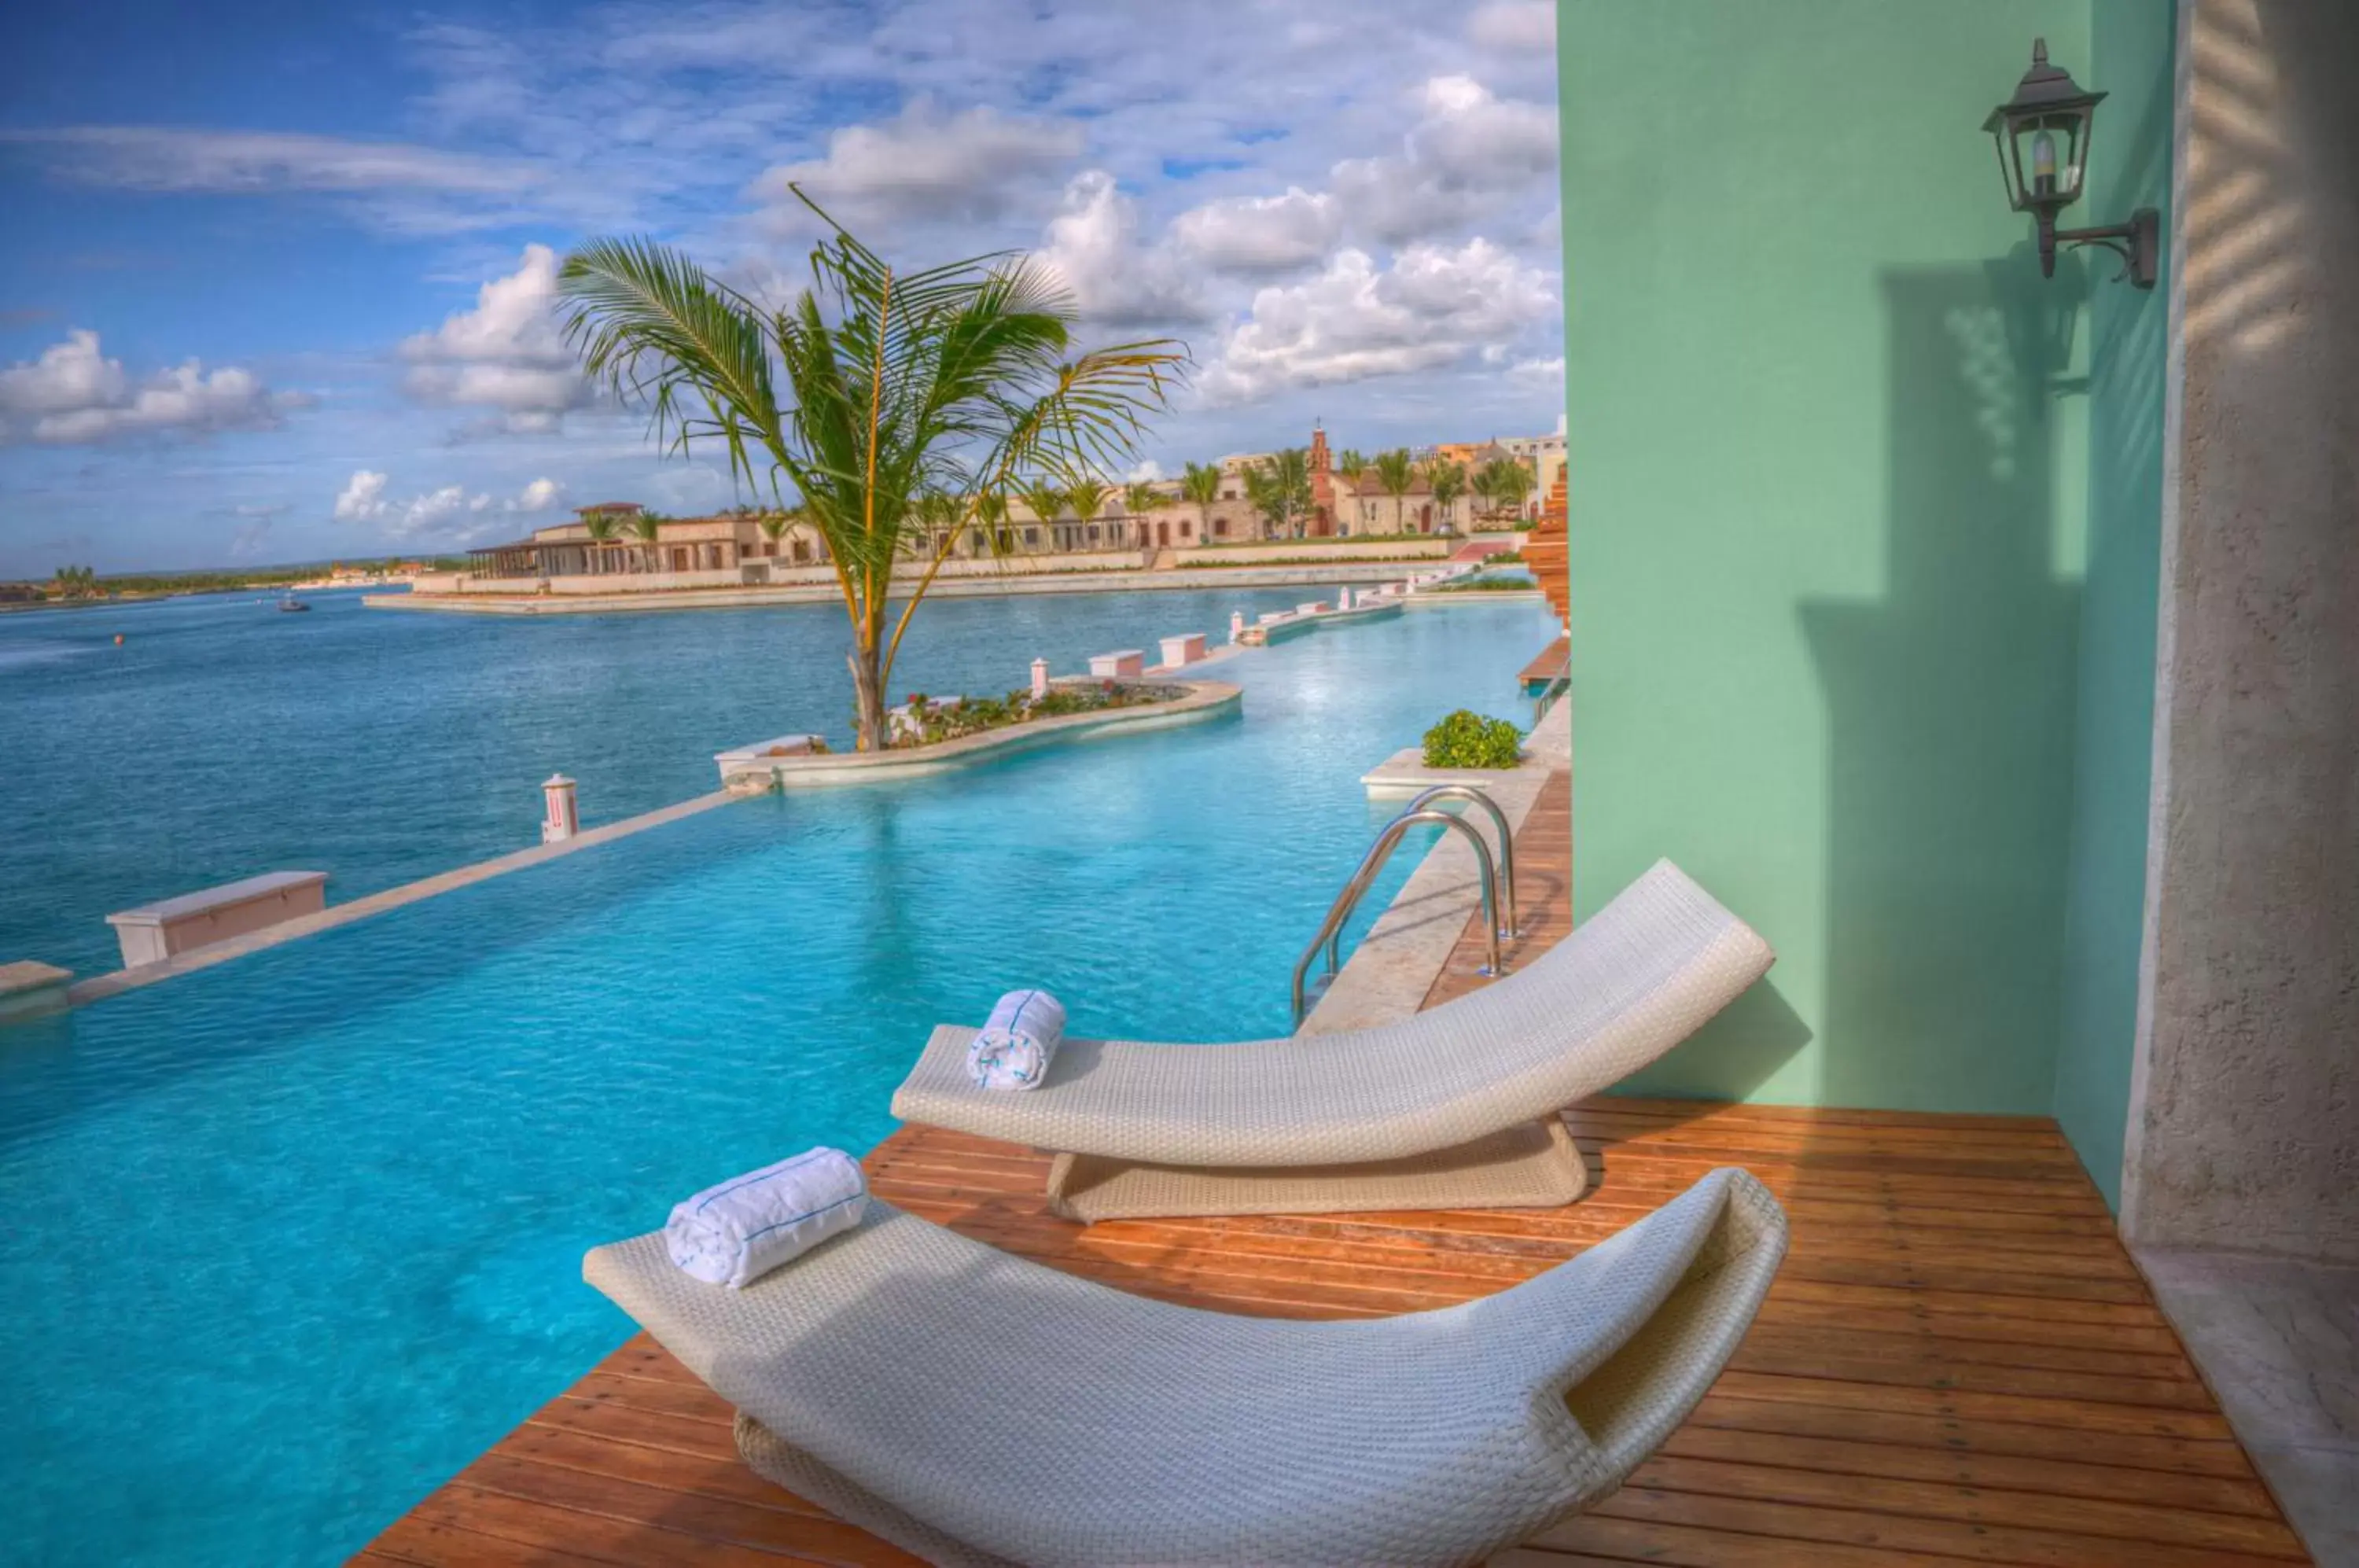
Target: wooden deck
<point>1546,665</point>
<point>1958,1362</point>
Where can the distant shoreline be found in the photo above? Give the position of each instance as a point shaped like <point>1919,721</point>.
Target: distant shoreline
<point>161,595</point>
<point>1116,581</point>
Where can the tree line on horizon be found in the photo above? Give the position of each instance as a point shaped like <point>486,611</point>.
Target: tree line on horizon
<point>85,582</point>
<point>1277,488</point>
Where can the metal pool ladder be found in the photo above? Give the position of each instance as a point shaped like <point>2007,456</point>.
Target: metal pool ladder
<point>1417,812</point>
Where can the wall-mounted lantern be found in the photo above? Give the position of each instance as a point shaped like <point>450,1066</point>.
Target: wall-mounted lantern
<point>2043,152</point>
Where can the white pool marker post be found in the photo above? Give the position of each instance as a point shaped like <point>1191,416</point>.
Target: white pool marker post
<point>1343,598</point>
<point>1237,626</point>
<point>1039,679</point>
<point>564,817</point>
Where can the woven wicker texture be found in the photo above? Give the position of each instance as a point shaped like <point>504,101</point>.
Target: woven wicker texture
<point>1533,1165</point>
<point>1634,980</point>
<point>975,1407</point>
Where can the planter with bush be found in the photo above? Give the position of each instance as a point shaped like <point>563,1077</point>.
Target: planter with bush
<point>1467,739</point>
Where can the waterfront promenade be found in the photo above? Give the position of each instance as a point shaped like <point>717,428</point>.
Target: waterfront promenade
<point>1013,584</point>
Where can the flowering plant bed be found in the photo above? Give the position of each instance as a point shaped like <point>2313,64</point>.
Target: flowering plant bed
<point>924,721</point>
<point>1074,711</point>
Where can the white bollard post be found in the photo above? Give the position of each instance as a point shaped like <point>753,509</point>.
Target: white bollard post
<point>1039,679</point>
<point>564,817</point>
<point>1236,624</point>
<point>1343,598</point>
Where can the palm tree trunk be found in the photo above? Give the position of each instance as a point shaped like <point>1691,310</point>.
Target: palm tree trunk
<point>867,697</point>
<point>868,659</point>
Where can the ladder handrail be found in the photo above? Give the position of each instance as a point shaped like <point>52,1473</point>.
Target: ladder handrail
<point>1339,912</point>
<point>1506,842</point>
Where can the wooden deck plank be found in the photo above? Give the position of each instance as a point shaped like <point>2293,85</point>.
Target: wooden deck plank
<point>1957,1364</point>
<point>1549,663</point>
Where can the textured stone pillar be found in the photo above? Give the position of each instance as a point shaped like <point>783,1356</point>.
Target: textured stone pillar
<point>2243,1129</point>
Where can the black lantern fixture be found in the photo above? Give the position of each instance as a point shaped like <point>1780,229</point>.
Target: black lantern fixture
<point>2043,153</point>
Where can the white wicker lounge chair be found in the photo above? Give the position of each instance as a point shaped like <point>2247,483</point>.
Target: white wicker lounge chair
<point>983,1411</point>
<point>1452,1108</point>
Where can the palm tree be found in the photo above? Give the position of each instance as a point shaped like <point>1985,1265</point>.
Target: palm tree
<point>872,387</point>
<point>1046,497</point>
<point>1201,483</point>
<point>601,528</point>
<point>1449,482</point>
<point>1087,498</point>
<point>1395,472</point>
<point>936,514</point>
<point>1280,490</point>
<point>646,527</point>
<point>1349,462</point>
<point>990,511</point>
<point>1138,495</point>
<point>1504,481</point>
<point>773,521</point>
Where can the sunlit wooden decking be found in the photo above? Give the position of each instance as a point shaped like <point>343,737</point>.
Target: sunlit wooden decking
<point>1958,1362</point>
<point>1546,665</point>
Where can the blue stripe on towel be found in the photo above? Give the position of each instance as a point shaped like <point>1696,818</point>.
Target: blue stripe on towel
<point>798,1219</point>
<point>797,1163</point>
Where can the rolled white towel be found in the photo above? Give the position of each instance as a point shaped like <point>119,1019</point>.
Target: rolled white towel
<point>1017,1041</point>
<point>737,1232</point>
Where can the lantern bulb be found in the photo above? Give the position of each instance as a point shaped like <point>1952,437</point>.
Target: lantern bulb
<point>2043,164</point>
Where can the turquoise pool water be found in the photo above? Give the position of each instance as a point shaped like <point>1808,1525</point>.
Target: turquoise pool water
<point>292,1239</point>
<point>381,746</point>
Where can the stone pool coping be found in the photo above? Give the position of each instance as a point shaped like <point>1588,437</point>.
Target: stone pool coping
<point>1389,973</point>
<point>1393,967</point>
<point>745,773</point>
<point>100,987</point>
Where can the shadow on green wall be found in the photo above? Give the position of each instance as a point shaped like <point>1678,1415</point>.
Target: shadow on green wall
<point>1951,706</point>
<point>1730,1057</point>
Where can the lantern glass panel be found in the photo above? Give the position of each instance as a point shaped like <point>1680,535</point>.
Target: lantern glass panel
<point>2049,152</point>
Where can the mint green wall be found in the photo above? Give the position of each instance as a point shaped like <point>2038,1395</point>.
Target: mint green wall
<point>2131,57</point>
<point>1829,440</point>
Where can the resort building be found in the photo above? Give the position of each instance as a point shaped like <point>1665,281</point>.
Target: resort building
<point>625,547</point>
<point>616,538</point>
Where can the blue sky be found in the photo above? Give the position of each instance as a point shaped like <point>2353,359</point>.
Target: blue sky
<point>274,280</point>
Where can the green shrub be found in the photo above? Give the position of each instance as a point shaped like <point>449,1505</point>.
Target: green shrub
<point>1467,739</point>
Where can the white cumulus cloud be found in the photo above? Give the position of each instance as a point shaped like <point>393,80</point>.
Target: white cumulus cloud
<point>452,514</point>
<point>74,394</point>
<point>1468,150</point>
<point>1434,307</point>
<point>542,493</point>
<point>1260,233</point>
<point>506,354</point>
<point>922,165</point>
<point>1093,245</point>
<point>363,496</point>
<point>1514,26</point>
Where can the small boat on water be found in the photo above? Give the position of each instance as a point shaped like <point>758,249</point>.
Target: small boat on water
<point>292,603</point>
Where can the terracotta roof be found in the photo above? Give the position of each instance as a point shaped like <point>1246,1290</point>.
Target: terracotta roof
<point>610,506</point>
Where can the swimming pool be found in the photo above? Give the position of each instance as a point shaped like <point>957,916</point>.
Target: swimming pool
<point>293,1239</point>
<point>381,746</point>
